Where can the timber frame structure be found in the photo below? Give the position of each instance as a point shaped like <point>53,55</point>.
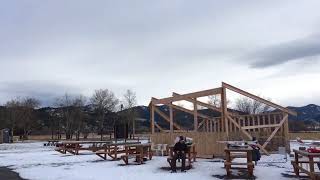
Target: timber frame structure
<point>230,124</point>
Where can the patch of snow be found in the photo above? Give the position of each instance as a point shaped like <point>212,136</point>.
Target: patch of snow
<point>36,162</point>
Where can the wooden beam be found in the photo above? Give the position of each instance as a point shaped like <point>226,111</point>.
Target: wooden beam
<point>165,117</point>
<point>198,102</point>
<point>152,117</point>
<point>192,95</point>
<point>275,130</point>
<point>260,126</point>
<point>224,110</point>
<point>200,124</point>
<point>171,118</point>
<point>286,134</point>
<point>237,90</point>
<point>195,115</point>
<point>190,112</point>
<point>159,127</point>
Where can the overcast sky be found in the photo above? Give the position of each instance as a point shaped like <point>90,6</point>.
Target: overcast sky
<point>52,47</point>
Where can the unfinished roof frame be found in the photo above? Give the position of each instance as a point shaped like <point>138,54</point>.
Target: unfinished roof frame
<point>228,120</point>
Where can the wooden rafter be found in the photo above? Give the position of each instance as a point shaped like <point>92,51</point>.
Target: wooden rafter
<point>159,127</point>
<point>165,117</point>
<point>184,96</point>
<point>190,111</point>
<point>257,98</point>
<point>198,102</point>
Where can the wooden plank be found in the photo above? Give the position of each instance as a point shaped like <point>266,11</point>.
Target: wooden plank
<point>198,102</point>
<point>261,126</point>
<point>258,119</point>
<point>152,117</point>
<point>165,117</point>
<point>224,110</point>
<point>264,120</point>
<point>195,115</point>
<point>257,98</point>
<point>286,134</point>
<point>275,130</point>
<point>269,122</point>
<point>171,118</point>
<point>253,123</point>
<point>184,96</point>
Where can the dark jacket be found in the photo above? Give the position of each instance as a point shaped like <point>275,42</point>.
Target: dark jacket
<point>179,147</point>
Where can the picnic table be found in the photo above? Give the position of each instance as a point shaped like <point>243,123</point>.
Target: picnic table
<point>74,147</point>
<point>114,149</point>
<point>191,155</point>
<point>232,153</point>
<point>138,151</point>
<point>304,157</point>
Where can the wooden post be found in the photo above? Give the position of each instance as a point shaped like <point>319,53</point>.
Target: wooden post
<point>152,118</point>
<point>195,114</point>
<point>171,118</point>
<point>224,111</point>
<point>286,133</point>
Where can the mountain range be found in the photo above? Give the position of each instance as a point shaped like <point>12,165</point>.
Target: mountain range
<point>309,112</point>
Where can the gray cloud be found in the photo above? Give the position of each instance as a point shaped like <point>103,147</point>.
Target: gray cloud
<point>51,47</point>
<point>46,92</point>
<point>300,49</point>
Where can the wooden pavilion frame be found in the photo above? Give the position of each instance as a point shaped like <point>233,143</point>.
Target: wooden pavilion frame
<point>229,122</point>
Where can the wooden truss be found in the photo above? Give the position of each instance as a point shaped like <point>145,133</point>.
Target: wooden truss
<point>228,122</point>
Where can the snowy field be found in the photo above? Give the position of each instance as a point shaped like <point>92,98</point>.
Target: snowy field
<point>35,162</point>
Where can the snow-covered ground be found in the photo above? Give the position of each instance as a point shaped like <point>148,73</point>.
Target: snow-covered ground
<point>35,162</point>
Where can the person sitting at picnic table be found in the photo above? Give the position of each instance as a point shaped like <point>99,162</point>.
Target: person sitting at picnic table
<point>180,149</point>
<point>256,150</point>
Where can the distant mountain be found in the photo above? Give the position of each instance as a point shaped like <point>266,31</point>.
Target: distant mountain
<point>309,112</point>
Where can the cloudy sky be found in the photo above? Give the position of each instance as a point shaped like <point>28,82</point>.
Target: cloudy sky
<point>52,47</point>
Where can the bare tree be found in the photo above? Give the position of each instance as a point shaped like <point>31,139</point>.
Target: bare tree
<point>214,100</point>
<point>13,110</point>
<point>251,106</point>
<point>79,103</point>
<point>104,102</point>
<point>28,119</point>
<point>21,113</point>
<point>66,107</point>
<point>129,102</point>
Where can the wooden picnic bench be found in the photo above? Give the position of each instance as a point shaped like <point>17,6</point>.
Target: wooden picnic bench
<point>137,151</point>
<point>191,155</point>
<point>232,153</point>
<point>114,149</point>
<point>74,147</point>
<point>304,157</point>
